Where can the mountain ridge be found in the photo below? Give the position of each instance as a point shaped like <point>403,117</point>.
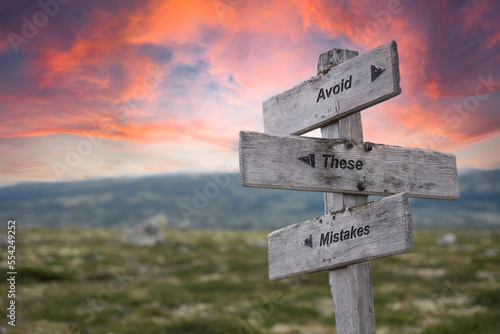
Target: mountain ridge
<point>219,201</point>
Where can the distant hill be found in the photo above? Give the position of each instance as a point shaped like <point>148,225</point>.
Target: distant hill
<point>479,203</point>
<point>219,201</point>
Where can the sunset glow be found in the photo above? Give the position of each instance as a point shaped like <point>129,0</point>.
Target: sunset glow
<point>97,89</point>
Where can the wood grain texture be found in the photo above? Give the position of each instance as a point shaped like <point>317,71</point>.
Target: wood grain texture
<point>268,161</point>
<point>370,231</point>
<point>351,286</point>
<point>353,299</point>
<point>299,110</point>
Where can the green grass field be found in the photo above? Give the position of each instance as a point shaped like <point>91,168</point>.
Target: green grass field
<point>77,280</point>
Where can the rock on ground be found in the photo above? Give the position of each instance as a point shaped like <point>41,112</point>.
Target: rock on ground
<point>148,233</point>
<point>447,239</point>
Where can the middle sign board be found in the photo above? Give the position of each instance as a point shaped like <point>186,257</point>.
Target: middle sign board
<point>333,165</point>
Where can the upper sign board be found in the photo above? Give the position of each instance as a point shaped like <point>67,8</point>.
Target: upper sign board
<point>334,165</point>
<point>357,234</point>
<point>336,93</point>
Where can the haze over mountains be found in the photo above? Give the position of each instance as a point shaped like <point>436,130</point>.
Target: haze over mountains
<point>210,201</point>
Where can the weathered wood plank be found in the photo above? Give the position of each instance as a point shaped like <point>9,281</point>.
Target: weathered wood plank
<point>335,93</point>
<point>329,165</point>
<point>351,286</point>
<point>357,234</point>
<point>353,299</point>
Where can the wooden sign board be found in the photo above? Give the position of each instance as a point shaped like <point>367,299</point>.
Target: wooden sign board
<point>330,165</point>
<point>365,232</point>
<point>347,88</point>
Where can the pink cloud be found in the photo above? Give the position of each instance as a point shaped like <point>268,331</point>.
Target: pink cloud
<point>215,65</point>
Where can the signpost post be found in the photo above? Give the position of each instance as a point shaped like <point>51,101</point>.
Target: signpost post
<point>351,232</point>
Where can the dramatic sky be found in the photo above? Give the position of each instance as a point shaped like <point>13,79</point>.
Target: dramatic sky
<point>98,88</point>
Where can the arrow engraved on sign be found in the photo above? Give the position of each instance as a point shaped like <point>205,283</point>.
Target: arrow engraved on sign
<point>376,71</point>
<point>309,159</point>
<point>308,241</point>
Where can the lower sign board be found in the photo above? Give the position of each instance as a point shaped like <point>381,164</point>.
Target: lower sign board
<point>333,165</point>
<point>361,233</point>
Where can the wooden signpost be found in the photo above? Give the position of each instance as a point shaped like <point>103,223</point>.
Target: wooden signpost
<point>334,165</point>
<point>351,232</point>
<point>361,233</point>
<point>335,93</point>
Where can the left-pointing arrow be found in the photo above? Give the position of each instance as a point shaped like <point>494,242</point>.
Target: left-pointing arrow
<point>309,159</point>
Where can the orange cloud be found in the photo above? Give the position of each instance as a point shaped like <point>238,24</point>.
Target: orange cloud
<point>197,71</point>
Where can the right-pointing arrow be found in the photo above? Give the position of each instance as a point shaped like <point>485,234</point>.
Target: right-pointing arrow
<point>376,71</point>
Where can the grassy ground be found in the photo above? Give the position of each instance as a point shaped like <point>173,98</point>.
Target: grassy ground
<point>87,281</point>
